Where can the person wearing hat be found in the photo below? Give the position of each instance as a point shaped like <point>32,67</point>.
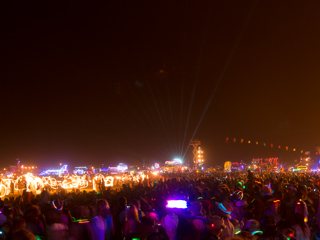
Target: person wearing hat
<point>272,208</point>
<point>224,210</point>
<point>245,212</point>
<point>215,227</point>
<point>266,192</point>
<point>253,226</point>
<point>58,205</point>
<point>236,196</point>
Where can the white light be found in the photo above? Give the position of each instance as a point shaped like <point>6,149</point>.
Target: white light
<point>177,160</point>
<point>177,204</point>
<point>122,167</point>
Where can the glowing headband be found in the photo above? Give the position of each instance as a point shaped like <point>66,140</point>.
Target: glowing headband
<point>59,209</point>
<point>255,232</point>
<point>223,209</point>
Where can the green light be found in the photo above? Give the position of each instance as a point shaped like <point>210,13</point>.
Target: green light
<point>80,220</point>
<point>253,233</point>
<point>240,183</point>
<point>244,187</point>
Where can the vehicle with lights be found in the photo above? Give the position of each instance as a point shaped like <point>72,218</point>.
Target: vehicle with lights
<point>55,172</point>
<point>121,168</point>
<point>80,170</point>
<point>173,166</point>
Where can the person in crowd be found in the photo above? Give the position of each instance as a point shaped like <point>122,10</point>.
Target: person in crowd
<point>272,208</point>
<point>301,228</point>
<point>236,224</point>
<point>150,230</point>
<point>132,223</point>
<point>33,221</point>
<point>58,205</point>
<point>198,219</point>
<point>18,223</point>
<point>279,213</point>
<point>245,212</point>
<point>80,229</point>
<point>138,206</point>
<point>98,223</point>
<point>253,227</point>
<point>285,228</point>
<point>106,214</point>
<point>269,229</point>
<point>215,228</point>
<point>170,223</point>
<point>266,192</point>
<point>224,210</point>
<point>55,228</point>
<point>23,234</point>
<point>301,207</point>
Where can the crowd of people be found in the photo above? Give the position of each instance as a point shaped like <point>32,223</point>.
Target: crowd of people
<point>222,206</point>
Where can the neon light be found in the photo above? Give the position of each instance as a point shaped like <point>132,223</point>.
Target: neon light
<point>81,220</point>
<point>223,209</point>
<point>59,209</point>
<point>182,204</point>
<point>255,232</point>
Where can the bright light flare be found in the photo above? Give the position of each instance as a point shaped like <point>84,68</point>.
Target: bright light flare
<point>181,204</point>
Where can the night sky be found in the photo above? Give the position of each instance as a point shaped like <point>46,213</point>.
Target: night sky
<point>87,82</point>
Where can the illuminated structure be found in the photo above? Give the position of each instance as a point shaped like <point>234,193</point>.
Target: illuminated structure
<point>197,154</point>
<point>305,164</point>
<point>236,166</point>
<point>121,168</point>
<point>24,169</point>
<point>83,170</point>
<point>227,166</point>
<point>57,172</point>
<point>265,164</point>
<point>173,166</point>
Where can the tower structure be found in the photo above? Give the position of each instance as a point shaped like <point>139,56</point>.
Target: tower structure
<point>197,154</point>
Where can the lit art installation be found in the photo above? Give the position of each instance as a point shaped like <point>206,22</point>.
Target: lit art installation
<point>36,184</point>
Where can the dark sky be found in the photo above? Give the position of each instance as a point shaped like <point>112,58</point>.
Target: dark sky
<point>87,82</point>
